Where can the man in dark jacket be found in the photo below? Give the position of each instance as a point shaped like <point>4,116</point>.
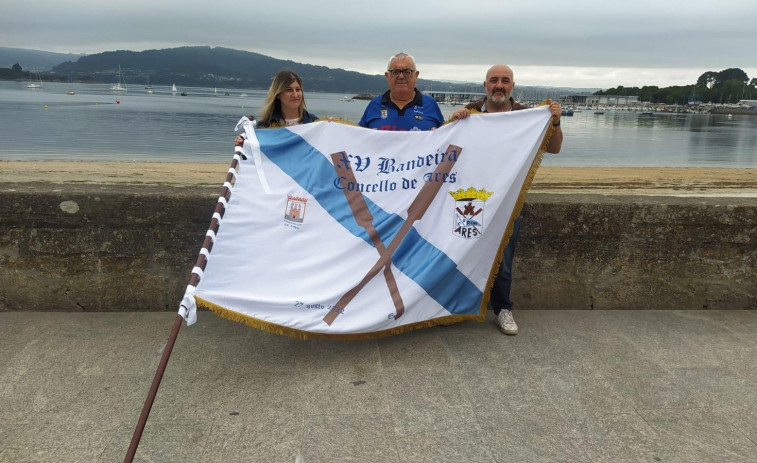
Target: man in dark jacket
<point>498,87</point>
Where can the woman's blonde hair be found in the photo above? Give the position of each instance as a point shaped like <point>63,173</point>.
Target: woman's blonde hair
<point>280,83</point>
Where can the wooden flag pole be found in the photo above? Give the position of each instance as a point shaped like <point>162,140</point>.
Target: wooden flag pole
<point>194,279</point>
<point>153,391</point>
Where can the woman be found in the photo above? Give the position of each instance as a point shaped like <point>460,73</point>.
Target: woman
<point>284,105</point>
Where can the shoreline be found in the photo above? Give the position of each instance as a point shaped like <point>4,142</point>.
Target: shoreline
<point>678,181</point>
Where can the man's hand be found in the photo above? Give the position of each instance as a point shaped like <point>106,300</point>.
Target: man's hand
<point>556,111</point>
<point>459,114</point>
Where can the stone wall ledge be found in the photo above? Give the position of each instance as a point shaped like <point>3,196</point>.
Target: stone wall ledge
<point>111,247</point>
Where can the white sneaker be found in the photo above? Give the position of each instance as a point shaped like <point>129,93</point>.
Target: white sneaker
<point>506,322</point>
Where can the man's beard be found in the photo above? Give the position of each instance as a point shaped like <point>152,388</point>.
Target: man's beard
<point>499,98</point>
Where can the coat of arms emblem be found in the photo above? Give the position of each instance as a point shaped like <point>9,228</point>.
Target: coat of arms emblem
<point>468,216</point>
<point>294,213</point>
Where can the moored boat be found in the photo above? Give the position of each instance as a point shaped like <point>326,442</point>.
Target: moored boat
<point>120,85</point>
<point>34,83</point>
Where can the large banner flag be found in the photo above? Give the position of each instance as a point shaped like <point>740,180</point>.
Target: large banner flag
<point>335,230</point>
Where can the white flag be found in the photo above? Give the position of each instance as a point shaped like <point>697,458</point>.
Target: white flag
<point>364,233</point>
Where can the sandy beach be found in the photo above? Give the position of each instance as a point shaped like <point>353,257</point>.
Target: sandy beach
<point>595,180</point>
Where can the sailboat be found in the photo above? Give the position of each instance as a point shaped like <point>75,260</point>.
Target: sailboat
<point>173,89</point>
<point>32,83</point>
<point>120,86</point>
<point>148,87</point>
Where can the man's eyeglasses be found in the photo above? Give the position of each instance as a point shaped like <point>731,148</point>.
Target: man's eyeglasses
<point>404,72</point>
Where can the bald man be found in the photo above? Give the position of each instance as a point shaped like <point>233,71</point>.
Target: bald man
<point>498,88</point>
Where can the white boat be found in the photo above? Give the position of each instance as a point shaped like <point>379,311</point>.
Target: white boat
<point>345,98</point>
<point>173,89</point>
<point>120,85</point>
<point>32,83</point>
<point>148,87</point>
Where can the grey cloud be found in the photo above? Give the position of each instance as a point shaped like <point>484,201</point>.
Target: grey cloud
<point>589,33</point>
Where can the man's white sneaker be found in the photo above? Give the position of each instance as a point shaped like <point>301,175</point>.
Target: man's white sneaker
<point>506,322</point>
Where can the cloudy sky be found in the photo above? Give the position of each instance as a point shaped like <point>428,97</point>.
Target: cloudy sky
<point>576,43</point>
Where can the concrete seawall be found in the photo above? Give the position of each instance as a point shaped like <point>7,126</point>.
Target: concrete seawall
<point>94,247</point>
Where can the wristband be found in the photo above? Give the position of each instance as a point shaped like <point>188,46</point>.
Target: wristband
<point>556,125</point>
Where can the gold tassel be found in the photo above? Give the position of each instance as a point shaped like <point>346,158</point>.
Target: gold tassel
<point>304,335</point>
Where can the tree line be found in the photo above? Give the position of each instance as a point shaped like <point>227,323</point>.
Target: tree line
<point>16,72</point>
<point>727,86</point>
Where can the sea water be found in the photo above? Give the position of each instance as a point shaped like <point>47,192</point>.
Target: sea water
<point>98,124</point>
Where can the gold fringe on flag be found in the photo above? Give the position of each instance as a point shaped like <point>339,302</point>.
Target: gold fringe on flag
<point>304,335</point>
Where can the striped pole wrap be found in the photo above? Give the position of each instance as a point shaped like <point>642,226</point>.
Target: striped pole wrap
<point>223,199</point>
<point>188,305</point>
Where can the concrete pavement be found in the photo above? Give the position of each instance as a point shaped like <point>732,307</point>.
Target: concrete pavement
<point>587,386</point>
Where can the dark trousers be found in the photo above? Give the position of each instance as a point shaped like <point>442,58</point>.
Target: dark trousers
<point>500,292</point>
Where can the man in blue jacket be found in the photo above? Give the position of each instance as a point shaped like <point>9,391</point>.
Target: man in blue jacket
<point>402,107</point>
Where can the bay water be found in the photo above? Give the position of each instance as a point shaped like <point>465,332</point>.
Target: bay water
<point>98,124</point>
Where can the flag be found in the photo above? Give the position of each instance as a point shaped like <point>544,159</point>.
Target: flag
<point>339,231</point>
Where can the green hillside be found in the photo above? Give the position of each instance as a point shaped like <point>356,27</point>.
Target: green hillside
<point>213,67</point>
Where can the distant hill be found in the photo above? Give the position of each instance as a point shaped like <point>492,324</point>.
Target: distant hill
<point>225,67</point>
<point>34,60</point>
<point>214,67</point>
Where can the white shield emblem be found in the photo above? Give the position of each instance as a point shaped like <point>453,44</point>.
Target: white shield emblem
<point>468,216</point>
<point>294,213</point>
